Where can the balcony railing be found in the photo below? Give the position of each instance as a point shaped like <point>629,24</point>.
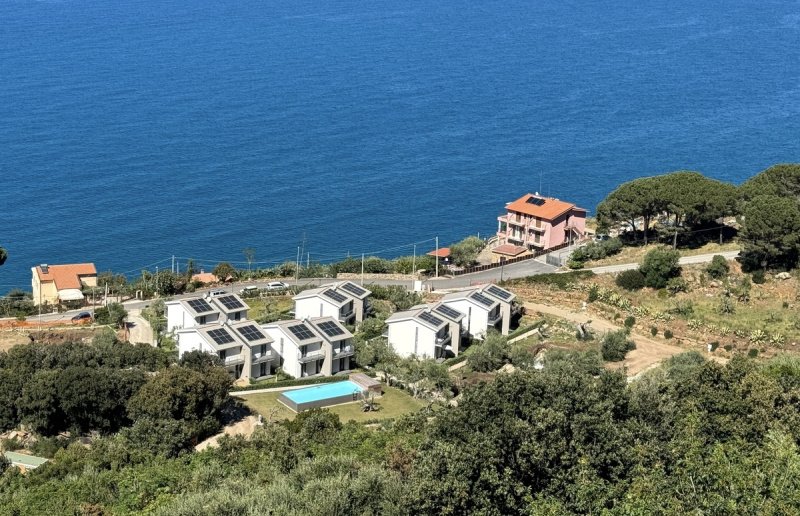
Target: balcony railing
<point>234,360</point>
<point>311,356</point>
<point>441,341</point>
<point>343,352</point>
<point>343,316</point>
<point>493,318</point>
<point>262,357</point>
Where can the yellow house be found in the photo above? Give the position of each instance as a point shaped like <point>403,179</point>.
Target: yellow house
<point>56,284</point>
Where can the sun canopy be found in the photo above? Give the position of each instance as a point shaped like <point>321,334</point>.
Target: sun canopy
<point>70,294</point>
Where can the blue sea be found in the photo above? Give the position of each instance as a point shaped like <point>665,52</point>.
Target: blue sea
<point>134,131</point>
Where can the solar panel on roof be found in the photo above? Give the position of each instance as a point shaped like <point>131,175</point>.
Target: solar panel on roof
<point>301,331</point>
<point>448,312</point>
<point>230,302</point>
<point>480,298</point>
<point>499,292</point>
<point>251,333</point>
<point>353,289</point>
<point>339,298</point>
<point>425,316</point>
<point>220,336</point>
<point>538,201</point>
<point>200,306</point>
<point>330,328</point>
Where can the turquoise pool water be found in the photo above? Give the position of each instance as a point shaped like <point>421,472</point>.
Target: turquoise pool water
<point>322,392</point>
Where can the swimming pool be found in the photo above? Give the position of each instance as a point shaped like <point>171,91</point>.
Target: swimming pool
<point>321,395</point>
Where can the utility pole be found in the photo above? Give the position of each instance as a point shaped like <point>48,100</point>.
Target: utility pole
<point>362,268</point>
<point>93,304</point>
<point>156,282</point>
<point>675,240</point>
<point>414,261</point>
<point>297,267</point>
<point>308,260</point>
<point>437,256</point>
<point>173,264</point>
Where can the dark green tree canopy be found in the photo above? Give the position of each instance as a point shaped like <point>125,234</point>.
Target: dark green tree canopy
<point>780,180</point>
<point>771,232</point>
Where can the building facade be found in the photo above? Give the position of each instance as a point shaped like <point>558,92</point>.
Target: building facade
<point>345,301</point>
<point>538,223</point>
<point>317,346</point>
<point>62,284</point>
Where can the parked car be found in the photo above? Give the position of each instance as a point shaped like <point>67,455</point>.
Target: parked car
<point>82,317</point>
<point>274,286</point>
<point>250,290</point>
<point>217,292</point>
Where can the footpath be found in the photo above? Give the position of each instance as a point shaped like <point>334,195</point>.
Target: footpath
<point>648,353</point>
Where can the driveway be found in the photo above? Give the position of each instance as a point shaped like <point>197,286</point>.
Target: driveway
<point>140,330</point>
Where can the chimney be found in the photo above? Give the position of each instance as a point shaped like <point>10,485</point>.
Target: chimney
<point>45,268</point>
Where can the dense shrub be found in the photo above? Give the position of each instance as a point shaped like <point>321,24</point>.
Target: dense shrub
<point>630,280</point>
<point>489,355</point>
<point>718,268</point>
<point>752,353</point>
<point>653,331</point>
<point>675,285</point>
<point>597,250</point>
<point>659,265</point>
<point>668,334</point>
<point>759,277</point>
<point>616,345</point>
<point>630,321</point>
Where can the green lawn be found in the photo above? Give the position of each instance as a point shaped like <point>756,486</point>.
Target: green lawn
<point>393,403</point>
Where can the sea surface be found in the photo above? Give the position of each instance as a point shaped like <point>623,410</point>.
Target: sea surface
<point>134,131</point>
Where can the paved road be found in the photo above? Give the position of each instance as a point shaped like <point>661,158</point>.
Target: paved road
<point>515,270</point>
<point>686,260</point>
<point>140,329</point>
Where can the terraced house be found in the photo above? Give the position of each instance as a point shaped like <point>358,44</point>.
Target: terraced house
<point>317,346</point>
<point>219,326</point>
<point>485,307</point>
<point>345,301</point>
<point>431,331</point>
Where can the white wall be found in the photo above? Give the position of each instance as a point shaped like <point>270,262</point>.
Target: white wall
<point>476,320</point>
<point>179,317</point>
<point>191,341</point>
<point>402,335</point>
<point>286,349</point>
<point>315,307</point>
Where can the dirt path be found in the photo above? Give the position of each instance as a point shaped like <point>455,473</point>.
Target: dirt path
<point>245,427</point>
<point>140,329</point>
<point>648,353</point>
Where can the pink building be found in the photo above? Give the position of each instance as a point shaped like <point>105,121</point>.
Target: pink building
<point>534,223</point>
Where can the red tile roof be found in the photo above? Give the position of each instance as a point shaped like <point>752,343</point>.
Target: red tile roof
<point>551,209</point>
<point>509,249</point>
<point>66,276</point>
<point>443,252</point>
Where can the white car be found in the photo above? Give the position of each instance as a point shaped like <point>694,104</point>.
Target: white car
<point>251,290</point>
<point>274,286</point>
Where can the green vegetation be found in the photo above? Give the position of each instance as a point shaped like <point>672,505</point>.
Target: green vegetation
<point>3,255</point>
<point>595,251</point>
<point>560,281</point>
<point>630,280</point>
<point>659,266</point>
<point>615,346</point>
<point>465,253</point>
<point>718,268</point>
<point>687,199</point>
<point>113,314</point>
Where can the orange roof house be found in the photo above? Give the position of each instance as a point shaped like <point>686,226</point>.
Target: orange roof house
<point>442,252</point>
<point>54,284</point>
<point>538,223</point>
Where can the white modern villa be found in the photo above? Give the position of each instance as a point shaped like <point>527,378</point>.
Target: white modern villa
<point>488,306</point>
<point>219,326</point>
<point>312,346</point>
<point>344,301</point>
<point>425,331</point>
